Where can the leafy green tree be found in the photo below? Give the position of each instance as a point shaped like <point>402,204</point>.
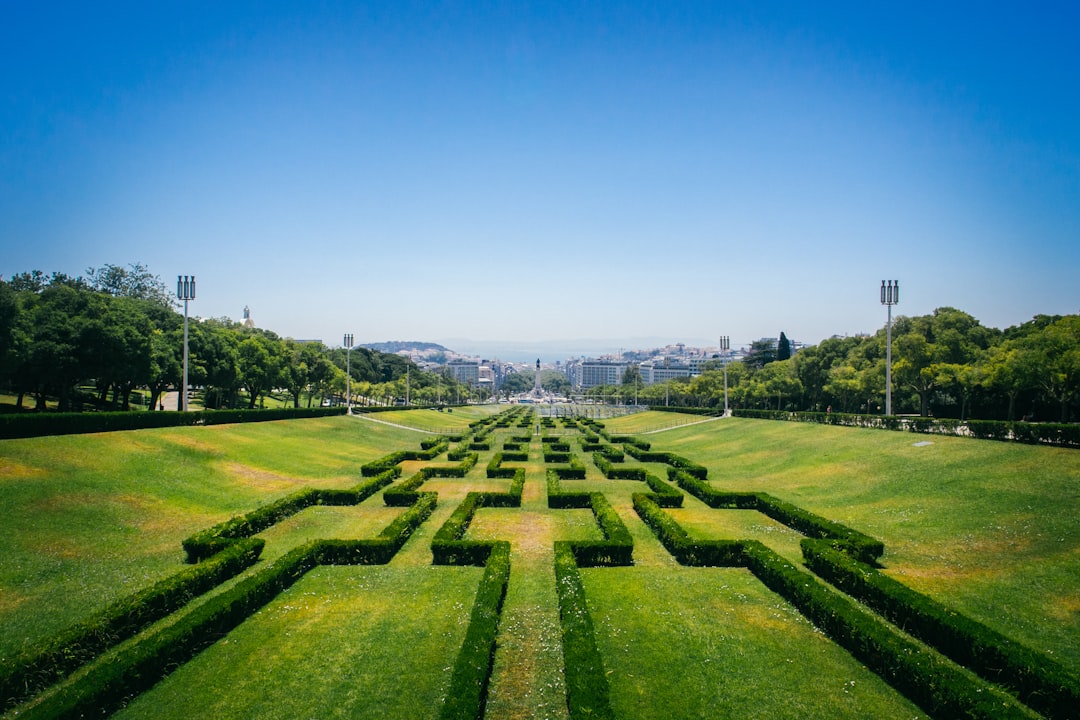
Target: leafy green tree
<point>783,348</point>
<point>260,364</point>
<point>1055,352</point>
<point>134,281</point>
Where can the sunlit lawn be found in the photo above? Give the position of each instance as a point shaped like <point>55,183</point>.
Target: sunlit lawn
<point>989,528</point>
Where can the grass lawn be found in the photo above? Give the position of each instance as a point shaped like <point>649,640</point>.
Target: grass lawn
<point>991,529</point>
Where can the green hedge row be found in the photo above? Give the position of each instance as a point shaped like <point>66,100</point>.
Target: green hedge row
<point>862,546</point>
<point>509,446</point>
<point>556,457</point>
<point>430,449</point>
<point>663,494</point>
<point>1038,681</point>
<point>621,472</point>
<point>1065,435</point>
<point>405,493</point>
<point>617,546</point>
<point>467,696</point>
<point>206,543</point>
<point>669,458</point>
<point>29,673</point>
<point>24,425</point>
<point>926,678</point>
<point>105,687</point>
<point>448,546</point>
<point>495,468</point>
<point>587,691</point>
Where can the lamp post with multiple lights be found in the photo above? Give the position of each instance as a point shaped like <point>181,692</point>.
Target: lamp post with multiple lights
<point>890,295</point>
<point>725,345</point>
<point>348,373</point>
<point>185,290</point>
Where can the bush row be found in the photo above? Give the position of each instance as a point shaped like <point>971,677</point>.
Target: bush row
<point>29,673</point>
<point>206,543</point>
<point>495,468</point>
<point>448,546</point>
<point>430,450</point>
<point>669,458</point>
<point>587,691</point>
<point>861,546</point>
<point>926,678</point>
<point>556,457</point>
<point>1065,435</point>
<point>939,687</point>
<point>621,472</point>
<point>1037,680</point>
<point>137,667</point>
<point>405,493</point>
<point>467,694</point>
<point>24,425</point>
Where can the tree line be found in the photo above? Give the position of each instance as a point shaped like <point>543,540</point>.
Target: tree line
<point>945,364</point>
<point>98,341</point>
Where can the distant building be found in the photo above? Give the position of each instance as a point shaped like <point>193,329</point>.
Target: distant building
<point>465,371</point>
<point>601,372</point>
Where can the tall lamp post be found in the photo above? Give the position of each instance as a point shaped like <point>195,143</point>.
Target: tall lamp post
<point>185,290</point>
<point>890,295</point>
<point>348,373</point>
<point>725,345</point>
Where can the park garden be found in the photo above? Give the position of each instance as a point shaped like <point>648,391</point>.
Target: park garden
<point>499,564</point>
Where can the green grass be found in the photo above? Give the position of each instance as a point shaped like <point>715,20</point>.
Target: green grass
<point>987,528</point>
<point>343,642</point>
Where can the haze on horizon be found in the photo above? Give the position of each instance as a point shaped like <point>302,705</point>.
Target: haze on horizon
<point>543,172</point>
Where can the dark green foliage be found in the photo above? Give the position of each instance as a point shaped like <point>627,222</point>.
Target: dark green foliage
<point>431,449</point>
<point>621,472</point>
<point>30,673</point>
<point>25,425</point>
<point>1037,680</point>
<point>207,542</point>
<point>668,458</point>
<point>587,692</point>
<point>467,695</point>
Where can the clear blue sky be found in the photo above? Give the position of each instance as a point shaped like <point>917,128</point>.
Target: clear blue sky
<point>547,171</point>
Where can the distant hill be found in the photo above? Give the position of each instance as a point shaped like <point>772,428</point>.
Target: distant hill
<point>395,346</point>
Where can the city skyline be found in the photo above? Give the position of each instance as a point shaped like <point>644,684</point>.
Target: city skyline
<point>539,173</point>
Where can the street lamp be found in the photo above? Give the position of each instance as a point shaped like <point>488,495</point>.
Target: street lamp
<point>890,295</point>
<point>185,290</point>
<point>725,345</point>
<point>348,373</point>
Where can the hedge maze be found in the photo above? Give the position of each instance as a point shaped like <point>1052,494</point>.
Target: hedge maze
<point>945,663</point>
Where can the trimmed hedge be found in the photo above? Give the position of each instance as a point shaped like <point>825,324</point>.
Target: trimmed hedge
<point>927,679</point>
<point>1036,679</point>
<point>1063,435</point>
<point>105,687</point>
<point>862,546</point>
<point>621,472</point>
<point>432,448</point>
<point>669,458</point>
<point>207,542</point>
<point>25,425</point>
<point>587,691</point>
<point>30,673</point>
<point>467,695</point>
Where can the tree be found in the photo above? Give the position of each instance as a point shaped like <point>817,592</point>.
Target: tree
<point>134,281</point>
<point>783,348</point>
<point>1055,352</point>
<point>260,365</point>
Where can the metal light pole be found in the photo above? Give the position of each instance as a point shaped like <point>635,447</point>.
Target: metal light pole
<point>185,290</point>
<point>890,295</point>
<point>725,345</point>
<point>348,373</point>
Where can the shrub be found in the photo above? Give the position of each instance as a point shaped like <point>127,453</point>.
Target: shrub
<point>587,692</point>
<point>31,673</point>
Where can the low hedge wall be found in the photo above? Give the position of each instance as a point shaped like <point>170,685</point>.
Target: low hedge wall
<point>105,687</point>
<point>29,673</point>
<point>1036,679</point>
<point>927,679</point>
<point>668,458</point>
<point>33,424</point>
<point>467,695</point>
<point>207,542</point>
<point>621,472</point>
<point>587,691</point>
<point>862,546</point>
<point>1064,435</point>
<point>431,449</point>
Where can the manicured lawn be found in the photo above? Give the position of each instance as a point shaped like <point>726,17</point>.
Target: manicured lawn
<point>988,528</point>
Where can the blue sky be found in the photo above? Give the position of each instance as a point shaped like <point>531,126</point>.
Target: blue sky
<point>551,171</point>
